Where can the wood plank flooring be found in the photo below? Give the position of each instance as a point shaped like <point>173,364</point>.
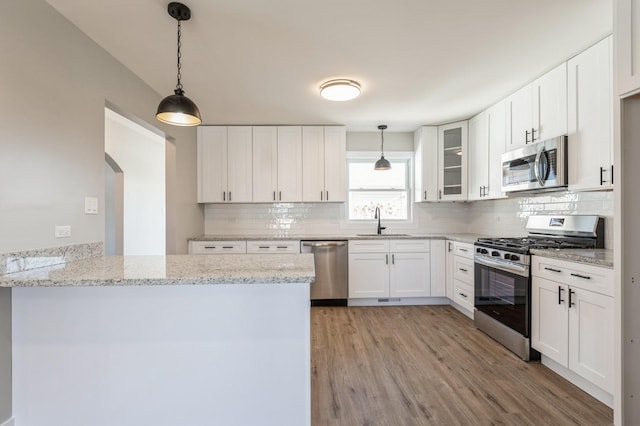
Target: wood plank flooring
<point>428,365</point>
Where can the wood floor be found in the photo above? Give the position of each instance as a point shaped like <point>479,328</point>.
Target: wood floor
<point>428,365</point>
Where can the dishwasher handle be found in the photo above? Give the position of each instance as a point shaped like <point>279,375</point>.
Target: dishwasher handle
<point>324,243</point>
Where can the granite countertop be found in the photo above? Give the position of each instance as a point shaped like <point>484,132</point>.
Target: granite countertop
<point>467,238</point>
<point>597,257</point>
<point>169,270</point>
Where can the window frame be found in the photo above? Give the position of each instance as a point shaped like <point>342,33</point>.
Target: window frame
<point>371,157</point>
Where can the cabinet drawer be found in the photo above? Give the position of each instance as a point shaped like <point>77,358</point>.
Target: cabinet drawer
<point>463,249</point>
<point>463,270</point>
<point>409,246</point>
<point>463,294</point>
<point>588,277</point>
<point>217,247</point>
<point>369,246</point>
<point>256,247</point>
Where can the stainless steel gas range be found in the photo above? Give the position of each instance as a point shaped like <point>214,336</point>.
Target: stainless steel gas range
<point>503,276</point>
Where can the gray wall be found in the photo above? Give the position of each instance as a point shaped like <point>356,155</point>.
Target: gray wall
<point>54,84</point>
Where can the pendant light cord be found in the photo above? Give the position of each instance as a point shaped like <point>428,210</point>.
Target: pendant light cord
<point>179,85</point>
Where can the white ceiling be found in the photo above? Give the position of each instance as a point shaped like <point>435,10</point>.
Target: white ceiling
<point>419,61</point>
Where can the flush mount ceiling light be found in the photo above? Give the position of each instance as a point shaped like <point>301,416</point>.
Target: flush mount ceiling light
<point>340,90</point>
<point>382,163</point>
<point>177,109</point>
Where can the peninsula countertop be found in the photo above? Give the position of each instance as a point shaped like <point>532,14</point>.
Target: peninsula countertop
<point>169,270</point>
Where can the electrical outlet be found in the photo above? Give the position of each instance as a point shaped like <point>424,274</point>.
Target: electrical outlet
<point>63,231</point>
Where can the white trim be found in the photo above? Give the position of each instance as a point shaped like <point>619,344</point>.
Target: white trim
<point>397,301</point>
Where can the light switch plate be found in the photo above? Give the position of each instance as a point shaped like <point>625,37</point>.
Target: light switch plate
<point>90,205</point>
<point>63,231</point>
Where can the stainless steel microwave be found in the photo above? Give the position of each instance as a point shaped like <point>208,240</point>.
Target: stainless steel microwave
<point>536,167</point>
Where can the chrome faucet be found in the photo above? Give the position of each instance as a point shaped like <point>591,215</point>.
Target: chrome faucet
<point>377,216</point>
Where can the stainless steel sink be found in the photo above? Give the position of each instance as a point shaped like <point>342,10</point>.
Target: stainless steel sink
<point>382,235</point>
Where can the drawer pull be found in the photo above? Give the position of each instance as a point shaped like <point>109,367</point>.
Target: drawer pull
<point>209,247</point>
<point>551,269</point>
<point>463,249</point>
<point>282,247</point>
<point>263,247</point>
<point>463,270</point>
<point>227,247</point>
<point>463,295</point>
<point>581,276</point>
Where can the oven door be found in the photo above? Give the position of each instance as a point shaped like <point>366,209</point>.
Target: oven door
<point>503,294</point>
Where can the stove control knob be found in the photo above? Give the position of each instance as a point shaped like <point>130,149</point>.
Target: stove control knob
<point>495,254</point>
<point>483,251</point>
<point>514,257</point>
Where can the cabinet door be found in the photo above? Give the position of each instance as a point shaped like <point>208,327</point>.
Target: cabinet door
<point>478,157</point>
<point>549,310</point>
<point>627,20</point>
<point>212,164</point>
<point>591,338</point>
<point>239,164</point>
<point>312,163</point>
<point>438,265</point>
<point>519,118</point>
<point>410,275</point>
<point>452,157</point>
<point>590,118</point>
<point>550,104</point>
<point>426,163</point>
<point>368,275</point>
<point>290,163</point>
<point>265,164</point>
<point>335,163</point>
<point>450,256</point>
<point>497,133</point>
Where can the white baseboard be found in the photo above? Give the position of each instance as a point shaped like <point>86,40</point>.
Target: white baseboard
<point>9,422</point>
<point>397,301</point>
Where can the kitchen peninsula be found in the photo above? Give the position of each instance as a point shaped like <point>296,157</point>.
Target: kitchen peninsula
<point>162,340</point>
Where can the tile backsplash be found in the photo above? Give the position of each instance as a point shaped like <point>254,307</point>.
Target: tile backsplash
<point>504,217</point>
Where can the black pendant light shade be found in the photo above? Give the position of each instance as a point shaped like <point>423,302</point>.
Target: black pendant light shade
<point>177,109</point>
<point>382,163</point>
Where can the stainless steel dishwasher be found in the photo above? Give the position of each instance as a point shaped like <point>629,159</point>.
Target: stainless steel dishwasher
<point>331,287</point>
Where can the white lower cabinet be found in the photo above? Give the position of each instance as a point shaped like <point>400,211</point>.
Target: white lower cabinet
<point>380,269</point>
<point>572,319</point>
<point>460,276</point>
<point>217,247</point>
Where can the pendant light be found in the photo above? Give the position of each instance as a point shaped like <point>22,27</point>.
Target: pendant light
<point>177,109</point>
<point>382,163</point>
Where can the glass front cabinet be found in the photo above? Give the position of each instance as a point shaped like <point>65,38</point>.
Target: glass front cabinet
<point>452,158</point>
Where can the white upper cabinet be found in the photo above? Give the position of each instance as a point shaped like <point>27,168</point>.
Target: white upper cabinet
<point>479,157</point>
<point>239,164</point>
<point>289,163</point>
<point>224,164</point>
<point>627,38</point>
<point>538,111</point>
<point>265,164</point>
<point>277,164</point>
<point>324,163</point>
<point>519,118</point>
<point>550,104</point>
<point>497,131</point>
<point>452,161</point>
<point>426,163</point>
<point>590,118</point>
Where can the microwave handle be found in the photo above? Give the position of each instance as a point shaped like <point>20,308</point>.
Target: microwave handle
<point>536,169</point>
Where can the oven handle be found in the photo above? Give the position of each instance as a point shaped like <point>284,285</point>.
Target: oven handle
<point>522,270</point>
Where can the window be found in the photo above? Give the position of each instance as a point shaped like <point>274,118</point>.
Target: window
<point>388,189</point>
